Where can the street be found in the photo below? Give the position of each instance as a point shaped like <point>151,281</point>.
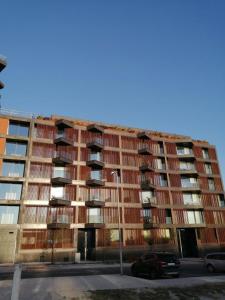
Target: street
<point>187,269</point>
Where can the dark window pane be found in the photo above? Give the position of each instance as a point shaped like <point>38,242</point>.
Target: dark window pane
<point>19,129</point>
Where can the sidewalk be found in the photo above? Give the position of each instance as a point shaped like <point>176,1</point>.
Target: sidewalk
<point>59,288</point>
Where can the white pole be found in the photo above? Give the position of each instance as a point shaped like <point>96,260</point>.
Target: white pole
<point>119,227</point>
<point>16,282</point>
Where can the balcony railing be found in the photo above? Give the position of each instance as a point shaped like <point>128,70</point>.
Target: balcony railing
<point>58,222</point>
<point>59,201</point>
<point>95,222</point>
<point>63,139</point>
<point>147,184</point>
<point>95,144</point>
<point>149,202</point>
<point>61,177</point>
<point>144,149</point>
<point>61,157</point>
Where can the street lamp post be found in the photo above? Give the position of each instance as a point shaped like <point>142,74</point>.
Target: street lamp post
<point>117,175</point>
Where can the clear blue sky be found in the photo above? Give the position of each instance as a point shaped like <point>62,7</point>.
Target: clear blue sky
<point>162,62</point>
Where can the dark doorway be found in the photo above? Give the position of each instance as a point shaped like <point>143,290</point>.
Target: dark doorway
<point>187,242</point>
<point>86,244</point>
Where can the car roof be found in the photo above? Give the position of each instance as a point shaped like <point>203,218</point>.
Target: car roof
<point>215,253</point>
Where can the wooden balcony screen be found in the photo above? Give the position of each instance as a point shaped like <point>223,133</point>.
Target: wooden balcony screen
<point>177,198</point>
<point>107,238</point>
<point>210,200</point>
<point>203,183</point>
<point>130,143</point>
<point>131,196</point>
<point>214,217</point>
<point>132,215</point>
<point>218,184</point>
<point>200,167</point>
<point>105,194</point>
<point>71,134</point>
<point>197,151</point>
<point>175,180</point>
<point>45,214</point>
<point>215,168</point>
<point>207,235</point>
<point>134,237</point>
<point>82,214</point>
<point>162,197</point>
<point>221,235</point>
<point>40,170</point>
<point>131,177</point>
<point>171,148</point>
<point>111,157</point>
<point>110,215</point>
<point>43,150</point>
<point>69,152</point>
<point>129,159</point>
<point>212,154</point>
<point>45,131</point>
<point>38,192</point>
<point>173,164</point>
<point>40,239</point>
<point>109,140</point>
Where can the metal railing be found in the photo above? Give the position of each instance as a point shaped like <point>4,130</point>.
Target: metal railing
<point>12,112</point>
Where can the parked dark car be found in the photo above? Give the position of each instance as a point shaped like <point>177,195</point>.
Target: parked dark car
<point>215,262</point>
<point>156,264</point>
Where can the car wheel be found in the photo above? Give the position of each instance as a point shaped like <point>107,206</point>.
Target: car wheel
<point>152,274</point>
<point>210,268</point>
<point>134,272</point>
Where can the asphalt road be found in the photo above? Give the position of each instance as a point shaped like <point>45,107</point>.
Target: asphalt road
<point>187,269</point>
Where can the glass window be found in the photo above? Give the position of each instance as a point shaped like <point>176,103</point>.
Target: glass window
<point>205,153</point>
<point>183,150</point>
<point>184,165</point>
<point>188,182</point>
<point>57,192</point>
<point>194,217</point>
<point>9,214</point>
<point>211,184</point>
<point>94,215</point>
<point>95,194</point>
<point>190,198</point>
<point>20,129</point>
<point>16,148</point>
<point>163,180</point>
<point>95,156</point>
<point>12,168</point>
<point>146,196</point>
<point>96,174</point>
<point>160,164</point>
<point>59,172</point>
<point>10,191</point>
<point>208,168</point>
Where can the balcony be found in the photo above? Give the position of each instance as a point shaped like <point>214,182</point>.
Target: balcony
<point>149,202</point>
<point>149,223</point>
<point>95,182</point>
<point>96,144</point>
<point>95,161</point>
<point>146,167</point>
<point>143,135</point>
<point>62,158</point>
<point>147,185</point>
<point>61,177</point>
<point>95,128</point>
<point>95,203</point>
<point>59,201</point>
<point>190,186</point>
<point>3,63</point>
<point>188,170</point>
<point>95,222</point>
<point>144,150</point>
<point>59,222</point>
<point>61,124</point>
<point>62,139</point>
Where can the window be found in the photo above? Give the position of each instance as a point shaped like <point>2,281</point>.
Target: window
<point>9,214</point>
<point>16,148</point>
<point>184,150</point>
<point>19,129</point>
<point>57,192</point>
<point>95,156</point>
<point>184,165</point>
<point>95,194</point>
<point>194,217</point>
<point>163,180</point>
<point>12,168</point>
<point>160,164</point>
<point>187,182</point>
<point>94,215</point>
<point>168,216</point>
<point>10,191</point>
<point>96,174</point>
<point>205,153</point>
<point>221,200</point>
<point>208,168</point>
<point>211,184</point>
<point>59,172</point>
<point>147,196</point>
<point>191,199</point>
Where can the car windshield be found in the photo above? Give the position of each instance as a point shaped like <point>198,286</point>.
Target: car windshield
<point>167,257</point>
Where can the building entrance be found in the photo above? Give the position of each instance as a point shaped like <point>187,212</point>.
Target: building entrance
<point>86,244</point>
<point>187,242</point>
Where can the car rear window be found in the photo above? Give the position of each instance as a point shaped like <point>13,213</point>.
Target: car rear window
<point>167,257</point>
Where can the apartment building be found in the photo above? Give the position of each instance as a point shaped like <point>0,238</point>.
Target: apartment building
<point>64,182</point>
